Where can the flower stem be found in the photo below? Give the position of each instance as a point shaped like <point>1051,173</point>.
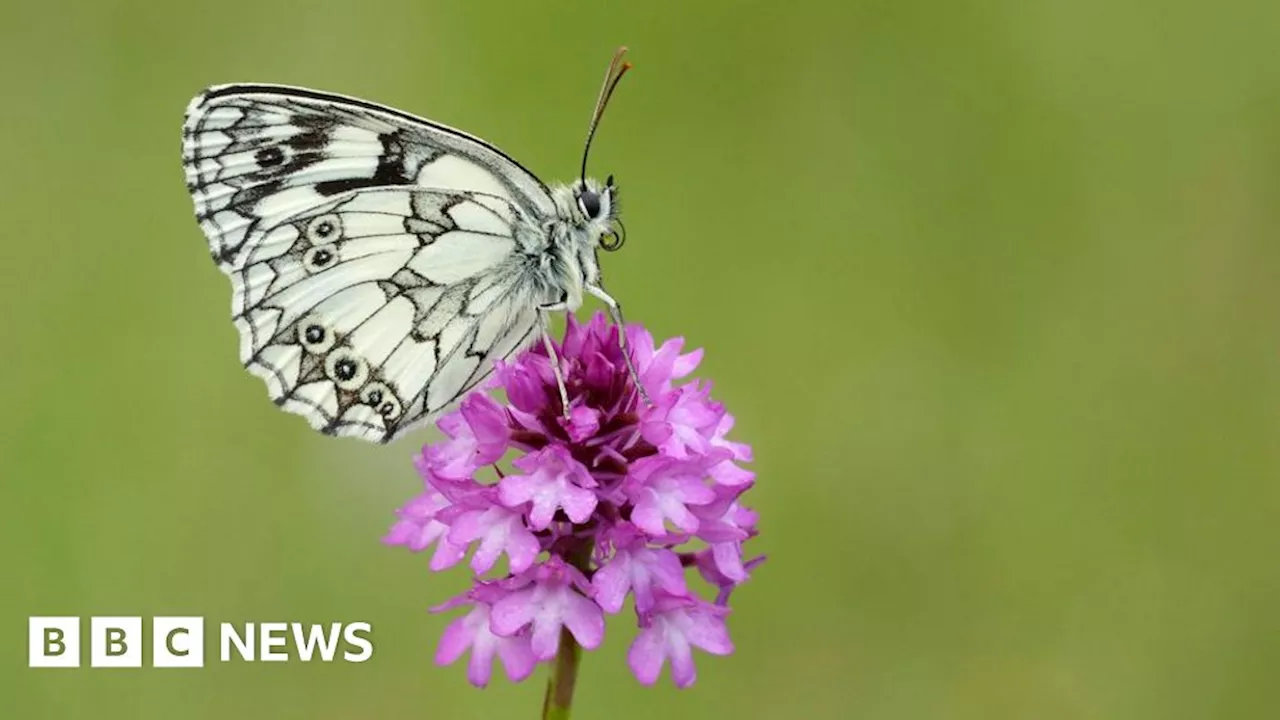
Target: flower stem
<point>564,671</point>
<point>564,675</point>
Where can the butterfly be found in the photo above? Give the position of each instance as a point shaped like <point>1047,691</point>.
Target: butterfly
<point>382,263</point>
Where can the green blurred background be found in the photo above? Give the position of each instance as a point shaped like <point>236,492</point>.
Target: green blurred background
<point>991,286</point>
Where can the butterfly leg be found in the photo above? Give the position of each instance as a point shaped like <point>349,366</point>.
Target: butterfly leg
<point>615,312</point>
<point>543,312</point>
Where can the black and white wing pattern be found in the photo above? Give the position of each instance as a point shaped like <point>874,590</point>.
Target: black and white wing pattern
<point>372,312</point>
<point>376,259</point>
<point>255,154</point>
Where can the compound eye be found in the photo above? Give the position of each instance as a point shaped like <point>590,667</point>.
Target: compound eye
<point>589,204</point>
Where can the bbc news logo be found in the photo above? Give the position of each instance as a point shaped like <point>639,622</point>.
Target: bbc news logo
<point>178,642</point>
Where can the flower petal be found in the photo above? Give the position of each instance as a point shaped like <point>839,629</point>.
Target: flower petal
<point>517,657</point>
<point>522,549</point>
<point>730,475</point>
<point>545,640</point>
<point>682,670</point>
<point>446,555</point>
<point>709,633</point>
<point>728,557</point>
<point>666,570</point>
<point>648,518</point>
<point>481,664</point>
<point>584,620</point>
<point>612,582</point>
<point>686,363</point>
<point>647,655</point>
<point>454,641</point>
<point>517,489</point>
<point>511,613</point>
<point>578,503</point>
<point>681,517</point>
<point>583,423</point>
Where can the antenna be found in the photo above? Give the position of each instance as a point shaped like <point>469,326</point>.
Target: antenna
<point>617,68</point>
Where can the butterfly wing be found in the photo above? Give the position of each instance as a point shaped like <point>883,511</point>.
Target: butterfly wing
<point>256,154</point>
<point>372,312</point>
<point>373,254</point>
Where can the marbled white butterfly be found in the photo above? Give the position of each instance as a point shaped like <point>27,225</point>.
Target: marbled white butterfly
<point>381,263</point>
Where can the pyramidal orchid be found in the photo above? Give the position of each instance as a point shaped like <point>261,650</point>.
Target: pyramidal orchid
<point>620,498</point>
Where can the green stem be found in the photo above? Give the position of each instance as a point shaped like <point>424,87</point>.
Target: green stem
<point>564,671</point>
<point>564,675</point>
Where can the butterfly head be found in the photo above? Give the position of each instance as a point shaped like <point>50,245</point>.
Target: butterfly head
<point>596,210</point>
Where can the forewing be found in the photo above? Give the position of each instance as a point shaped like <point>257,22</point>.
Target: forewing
<point>373,311</point>
<point>257,154</point>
